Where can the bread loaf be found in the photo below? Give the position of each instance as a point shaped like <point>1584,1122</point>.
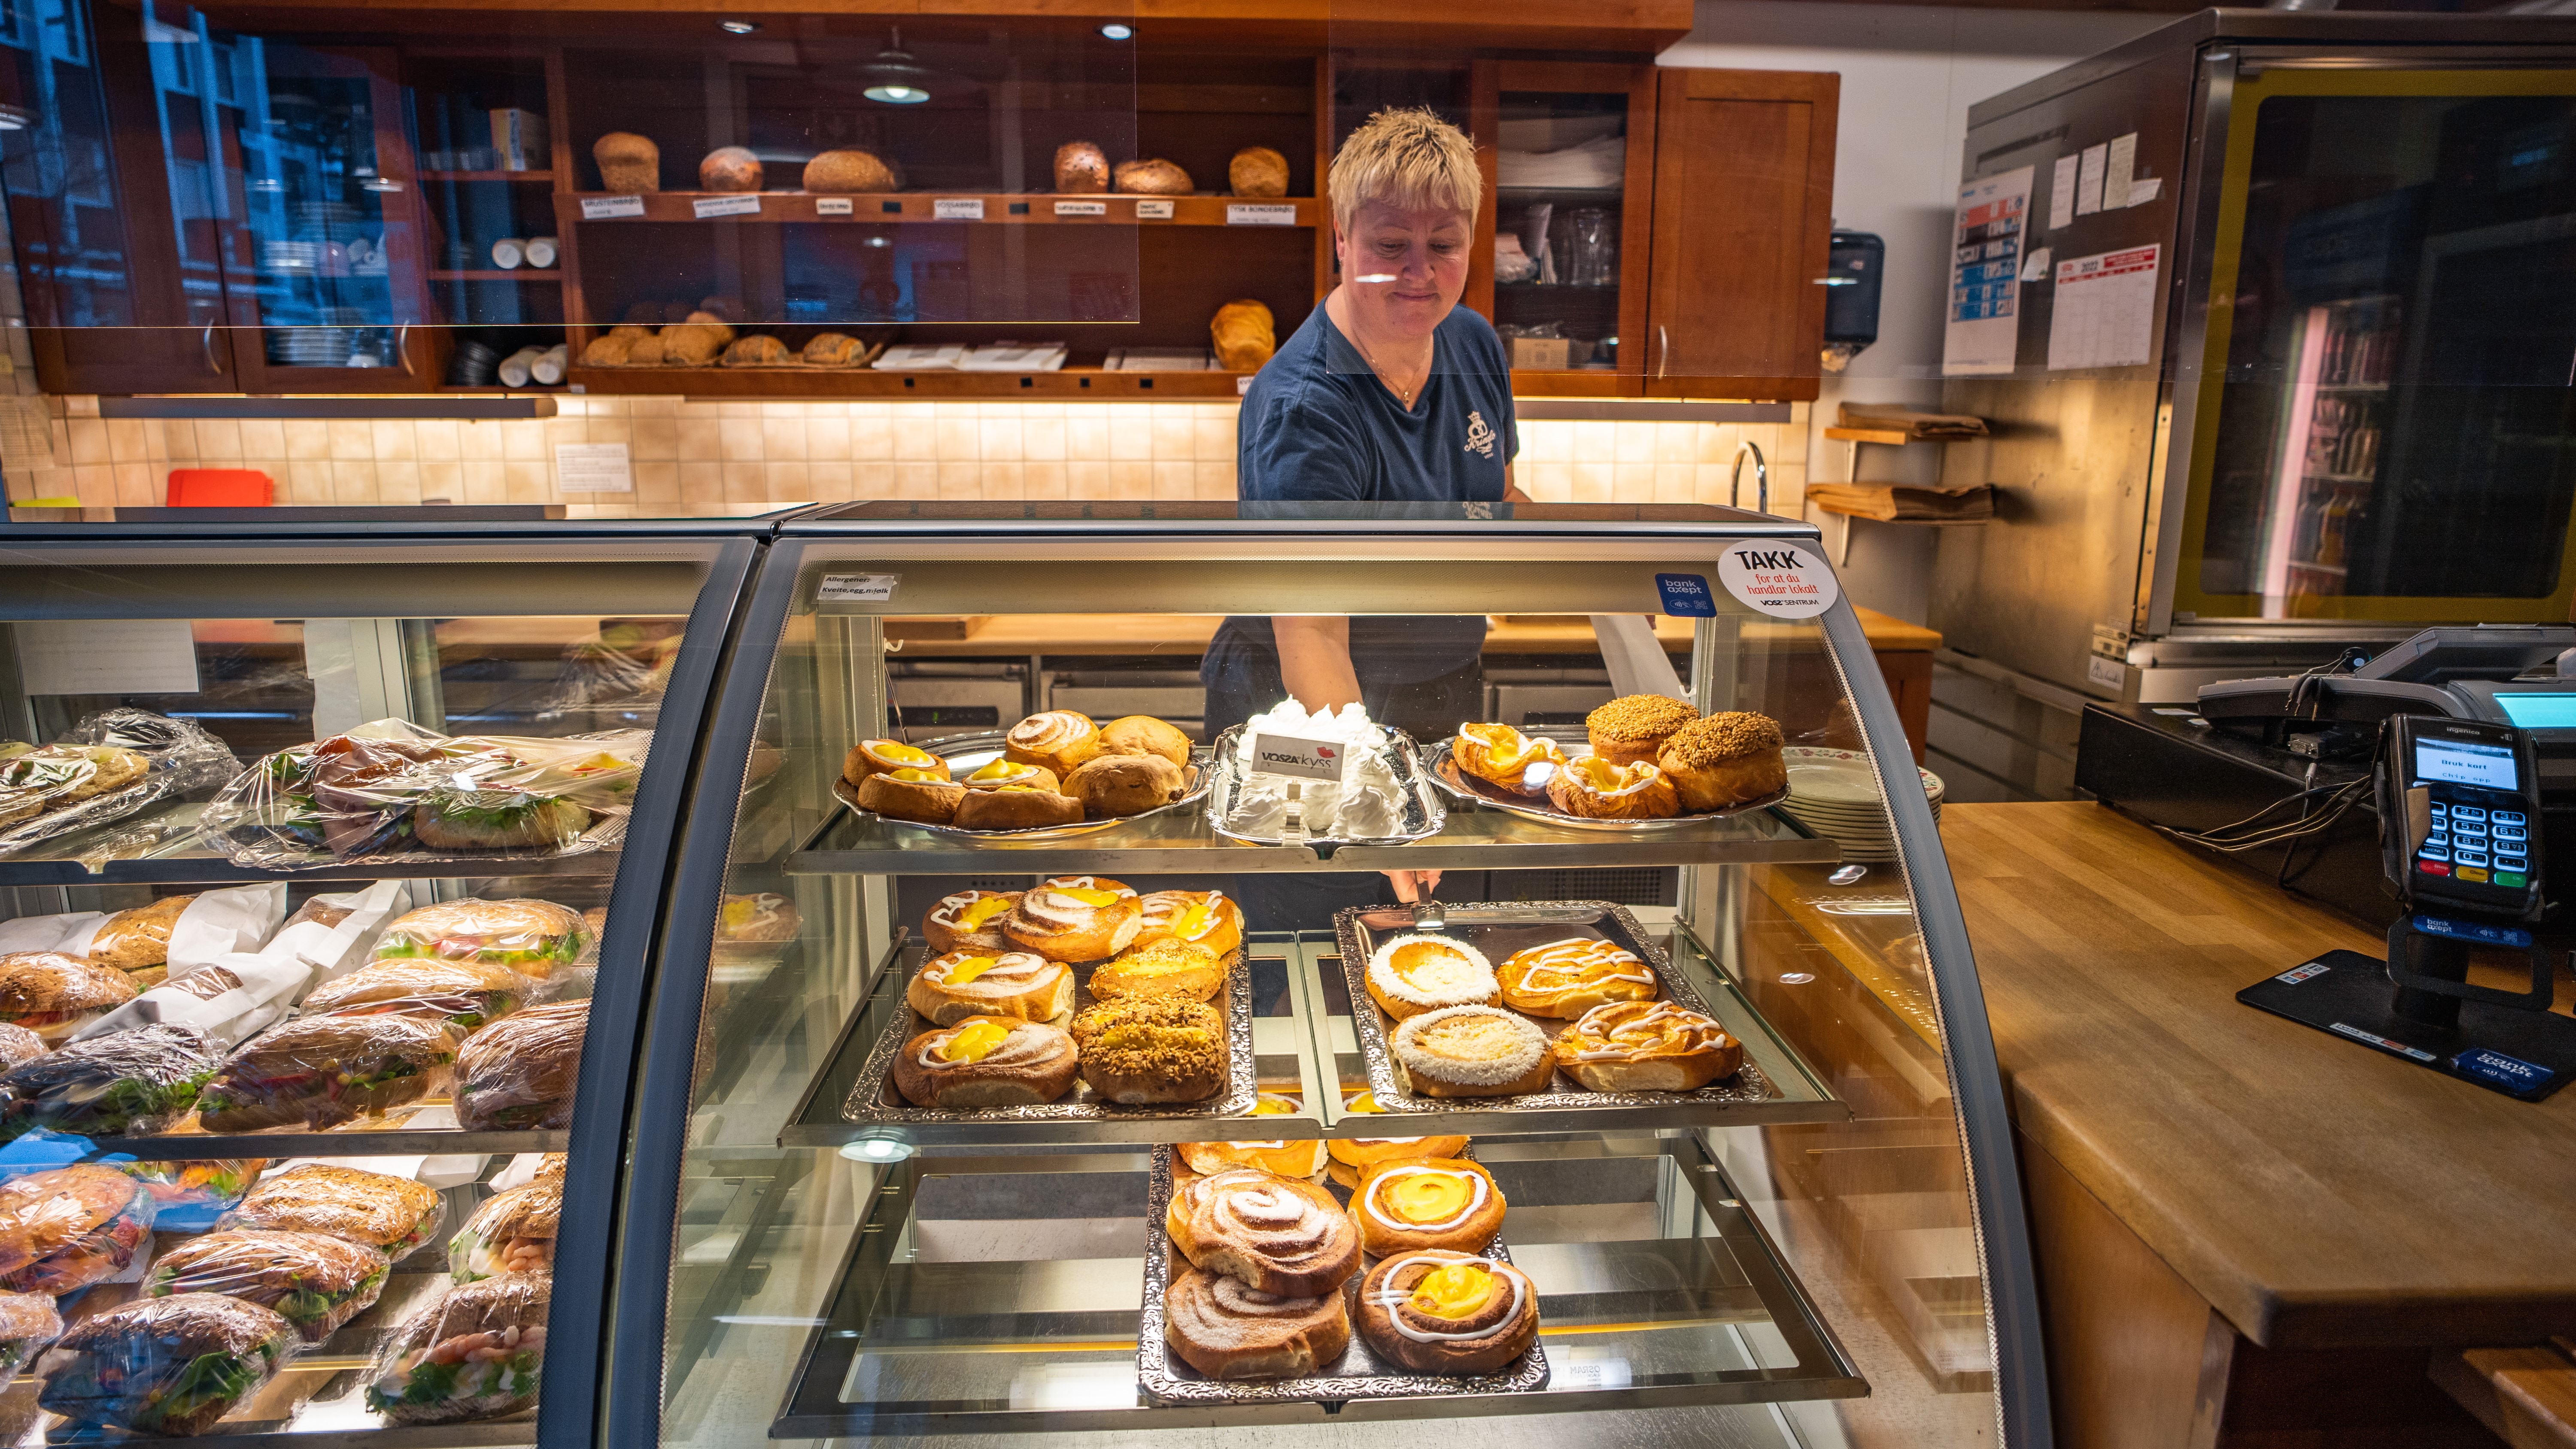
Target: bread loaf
<point>1258,171</point>
<point>834,349</point>
<point>694,344</point>
<point>608,351</point>
<point>1242,331</point>
<point>645,351</point>
<point>709,319</point>
<point>1081,169</point>
<point>628,162</point>
<point>1153,178</point>
<point>757,350</point>
<point>629,331</point>
<point>729,168</point>
<point>852,170</point>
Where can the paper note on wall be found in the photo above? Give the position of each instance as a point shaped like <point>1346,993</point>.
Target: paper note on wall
<point>1986,240</point>
<point>2088,184</point>
<point>107,656</point>
<point>2105,310</point>
<point>593,468</point>
<point>2115,180</point>
<point>2061,192</point>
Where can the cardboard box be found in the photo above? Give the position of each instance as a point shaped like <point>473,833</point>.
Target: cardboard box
<point>520,137</point>
<point>1542,353</point>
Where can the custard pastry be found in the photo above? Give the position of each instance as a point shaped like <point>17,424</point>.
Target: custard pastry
<point>1165,966</point>
<point>1015,807</point>
<point>1076,918</point>
<point>870,757</point>
<point>921,796</point>
<point>1202,918</point>
<point>1287,1157</point>
<point>958,984</point>
<point>1596,789</point>
<point>1278,1234</point>
<point>1058,740</point>
<point>1570,977</point>
<point>1725,760</point>
<point>1472,1051</point>
<point>1001,774</point>
<point>1501,755</point>
<point>1142,734</point>
<point>1408,975</point>
<point>1352,1155</point>
<point>1438,1312</point>
<point>1634,726</point>
<point>986,1061</point>
<point>1151,1049</point>
<point>1230,1332</point>
<point>1426,1202</point>
<point>1647,1046</point>
<point>969,920</point>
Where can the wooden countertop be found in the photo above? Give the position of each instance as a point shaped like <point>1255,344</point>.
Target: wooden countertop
<point>1187,635</point>
<point>2316,1193</point>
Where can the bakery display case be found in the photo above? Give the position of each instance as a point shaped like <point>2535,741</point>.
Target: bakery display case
<point>1328,1070</point>
<point>327,860</point>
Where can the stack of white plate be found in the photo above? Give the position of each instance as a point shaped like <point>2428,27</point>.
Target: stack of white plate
<point>1835,794</point>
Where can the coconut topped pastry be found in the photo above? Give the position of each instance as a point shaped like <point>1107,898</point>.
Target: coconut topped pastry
<point>1413,974</point>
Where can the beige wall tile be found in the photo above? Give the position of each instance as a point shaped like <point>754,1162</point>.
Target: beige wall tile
<point>94,484</point>
<point>178,437</point>
<point>872,478</point>
<point>1212,479</point>
<point>700,411</point>
<point>396,439</point>
<point>560,431</point>
<point>1679,442</point>
<point>307,483</point>
<point>89,445</point>
<point>657,483</point>
<point>50,483</point>
<point>438,440</point>
<point>487,482</point>
<point>655,438</point>
<point>1212,435</point>
<point>916,480</point>
<point>126,441</point>
<point>136,485</point>
<point>830,482</point>
<point>263,438</point>
<point>1130,433</point>
<point>1086,478</point>
<point>872,439</point>
<point>1549,482</point>
<point>1591,480</point>
<point>955,437</point>
<point>789,482</point>
<point>398,481</point>
<point>745,482</point>
<point>1632,482</point>
<point>738,440</point>
<point>653,407</point>
<point>782,440</point>
<point>526,481</point>
<point>1042,438</point>
<point>1086,434</point>
<point>1003,479</point>
<point>998,440</point>
<point>83,405</point>
<point>1173,433</point>
<point>1131,479</point>
<point>353,482</point>
<point>219,440</point>
<point>700,440</point>
<point>479,442</point>
<point>1044,479</point>
<point>827,439</point>
<point>701,482</point>
<point>916,440</point>
<point>1674,483</point>
<point>1636,442</point>
<point>960,480</point>
<point>444,480</point>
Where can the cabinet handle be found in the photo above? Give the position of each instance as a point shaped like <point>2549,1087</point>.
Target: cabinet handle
<point>402,347</point>
<point>1663,349</point>
<point>206,342</point>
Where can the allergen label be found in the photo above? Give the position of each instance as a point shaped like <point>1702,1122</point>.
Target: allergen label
<point>831,206</point>
<point>958,208</point>
<point>857,588</point>
<point>1082,208</point>
<point>706,206</point>
<point>1778,580</point>
<point>1153,211</point>
<point>1239,213</point>
<point>609,208</point>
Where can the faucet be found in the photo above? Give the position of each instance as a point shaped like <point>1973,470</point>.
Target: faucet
<point>1761,479</point>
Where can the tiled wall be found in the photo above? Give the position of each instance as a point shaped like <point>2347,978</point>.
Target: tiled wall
<point>719,457</point>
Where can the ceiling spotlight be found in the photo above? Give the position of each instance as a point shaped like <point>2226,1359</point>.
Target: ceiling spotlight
<point>1116,31</point>
<point>737,27</point>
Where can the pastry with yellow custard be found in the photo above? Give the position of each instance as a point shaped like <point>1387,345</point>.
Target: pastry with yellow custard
<point>1152,1049</point>
<point>958,984</point>
<point>924,796</point>
<point>995,774</point>
<point>876,757</point>
<point>1500,755</point>
<point>1426,1202</point>
<point>1593,788</point>
<point>1409,975</point>
<point>987,1061</point>
<point>1166,967</point>
<point>1354,1155</point>
<point>1439,1312</point>
<point>969,918</point>
<point>1287,1157</point>
<point>1015,807</point>
<point>1076,918</point>
<point>1202,918</point>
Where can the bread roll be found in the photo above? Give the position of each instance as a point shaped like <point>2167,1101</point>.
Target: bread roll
<point>1258,171</point>
<point>729,168</point>
<point>694,344</point>
<point>1156,177</point>
<point>717,307</point>
<point>834,349</point>
<point>645,351</point>
<point>1244,335</point>
<point>852,170</point>
<point>628,162</point>
<point>608,351</point>
<point>1081,169</point>
<point>758,350</point>
<point>711,319</point>
<point>630,331</point>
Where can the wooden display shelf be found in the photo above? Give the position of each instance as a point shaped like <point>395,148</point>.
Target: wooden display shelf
<point>542,177</point>
<point>1892,437</point>
<point>1072,384</point>
<point>1032,208</point>
<point>495,274</point>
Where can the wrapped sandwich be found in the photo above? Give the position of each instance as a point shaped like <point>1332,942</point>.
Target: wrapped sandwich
<point>532,938</point>
<point>50,994</point>
<point>170,1366</point>
<point>315,1281</point>
<point>28,1322</point>
<point>392,1214</point>
<point>475,1352</point>
<point>318,1072</point>
<point>137,942</point>
<point>123,1084</point>
<point>17,1045</point>
<point>519,1072</point>
<point>512,1232</point>
<point>69,1227</point>
<point>188,1196</point>
<point>467,994</point>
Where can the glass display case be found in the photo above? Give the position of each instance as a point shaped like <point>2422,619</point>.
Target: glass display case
<point>326,868</point>
<point>838,1218</point>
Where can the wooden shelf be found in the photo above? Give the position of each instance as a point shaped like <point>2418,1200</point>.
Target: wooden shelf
<point>1072,384</point>
<point>1893,437</point>
<point>546,178</point>
<point>1033,208</point>
<point>522,274</point>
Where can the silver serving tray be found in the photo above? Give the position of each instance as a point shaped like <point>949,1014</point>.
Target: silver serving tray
<point>1424,815</point>
<point>1499,930</point>
<point>969,752</point>
<point>874,1101</point>
<point>1442,765</point>
<point>1357,1374</point>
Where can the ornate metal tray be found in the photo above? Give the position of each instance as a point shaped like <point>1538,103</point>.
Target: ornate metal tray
<point>1442,765</point>
<point>1499,929</point>
<point>1357,1374</point>
<point>1424,815</point>
<point>969,752</point>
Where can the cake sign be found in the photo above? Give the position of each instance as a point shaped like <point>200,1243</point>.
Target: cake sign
<point>1304,759</point>
<point>1778,580</point>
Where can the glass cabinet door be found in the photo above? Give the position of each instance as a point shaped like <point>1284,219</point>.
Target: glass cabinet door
<point>1781,1249</point>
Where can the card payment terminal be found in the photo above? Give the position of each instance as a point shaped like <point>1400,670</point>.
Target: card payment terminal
<point>2460,802</point>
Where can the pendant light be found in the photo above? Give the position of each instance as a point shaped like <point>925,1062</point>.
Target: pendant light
<point>894,78</point>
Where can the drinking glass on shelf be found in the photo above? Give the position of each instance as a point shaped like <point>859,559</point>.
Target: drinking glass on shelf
<point>1592,248</point>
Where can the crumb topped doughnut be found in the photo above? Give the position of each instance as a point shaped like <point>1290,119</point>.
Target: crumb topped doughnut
<point>1724,760</point>
<point>1634,726</point>
<point>1412,974</point>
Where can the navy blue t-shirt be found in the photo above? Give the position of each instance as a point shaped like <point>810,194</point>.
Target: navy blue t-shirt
<point>1317,425</point>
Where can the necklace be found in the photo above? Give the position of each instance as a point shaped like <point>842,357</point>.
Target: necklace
<point>1403,394</point>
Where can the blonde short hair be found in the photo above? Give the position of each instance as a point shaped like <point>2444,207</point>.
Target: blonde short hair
<point>1410,159</point>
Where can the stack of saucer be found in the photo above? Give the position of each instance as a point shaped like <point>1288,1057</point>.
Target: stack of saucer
<point>1835,794</point>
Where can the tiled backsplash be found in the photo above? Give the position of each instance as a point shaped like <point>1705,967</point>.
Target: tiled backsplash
<point>716,457</point>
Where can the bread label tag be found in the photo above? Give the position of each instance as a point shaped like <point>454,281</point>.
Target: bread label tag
<point>1153,211</point>
<point>1778,580</point>
<point>1082,208</point>
<point>609,208</point>
<point>831,206</point>
<point>1240,213</point>
<point>956,208</point>
<point>706,206</point>
<point>857,589</point>
<point>1304,759</point>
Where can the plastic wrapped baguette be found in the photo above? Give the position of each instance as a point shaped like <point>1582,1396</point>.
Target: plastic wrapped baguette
<point>315,1281</point>
<point>394,1214</point>
<point>533,938</point>
<point>169,1366</point>
<point>466,994</point>
<point>69,1227</point>
<point>319,1072</point>
<point>519,1072</point>
<point>476,1352</point>
<point>123,1084</point>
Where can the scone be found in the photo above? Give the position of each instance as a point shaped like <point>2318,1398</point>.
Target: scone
<point>1117,785</point>
<point>1634,726</point>
<point>1408,975</point>
<point>1472,1051</point>
<point>1142,734</point>
<point>1725,760</point>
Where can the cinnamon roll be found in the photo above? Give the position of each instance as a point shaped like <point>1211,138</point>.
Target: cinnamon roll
<point>1278,1234</point>
<point>1202,918</point>
<point>969,920</point>
<point>1076,918</point>
<point>1287,1157</point>
<point>1417,1202</point>
<point>871,757</point>
<point>958,984</point>
<point>1438,1312</point>
<point>1634,726</point>
<point>1152,1049</point>
<point>1057,740</point>
<point>1408,975</point>
<point>1166,967</point>
<point>1647,1046</point>
<point>1228,1331</point>
<point>1596,789</point>
<point>986,1061</point>
<point>1570,977</point>
<point>1501,755</point>
<point>1351,1155</point>
<point>1725,760</point>
<point>1472,1051</point>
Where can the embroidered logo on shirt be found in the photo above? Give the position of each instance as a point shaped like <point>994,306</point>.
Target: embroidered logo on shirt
<point>1480,438</point>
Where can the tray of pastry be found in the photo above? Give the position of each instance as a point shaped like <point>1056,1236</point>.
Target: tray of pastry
<point>1642,762</point>
<point>1531,1005</point>
<point>1156,1024</point>
<point>1393,804</point>
<point>1052,776</point>
<point>1267,1286</point>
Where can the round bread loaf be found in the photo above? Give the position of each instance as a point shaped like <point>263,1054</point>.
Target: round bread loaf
<point>608,351</point>
<point>1245,335</point>
<point>852,170</point>
<point>694,344</point>
<point>645,351</point>
<point>757,350</point>
<point>729,168</point>
<point>833,349</point>
<point>628,163</point>
<point>1081,169</point>
<point>1257,171</point>
<point>1156,177</point>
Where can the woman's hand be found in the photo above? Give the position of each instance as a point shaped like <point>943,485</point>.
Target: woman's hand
<point>1413,885</point>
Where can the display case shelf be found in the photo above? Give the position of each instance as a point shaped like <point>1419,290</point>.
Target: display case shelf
<point>1020,208</point>
<point>189,1146</point>
<point>189,861</point>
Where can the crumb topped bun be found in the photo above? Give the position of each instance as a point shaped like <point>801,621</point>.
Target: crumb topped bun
<point>1145,1049</point>
<point>1634,726</point>
<point>1409,975</point>
<point>1473,1051</point>
<point>1725,760</point>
